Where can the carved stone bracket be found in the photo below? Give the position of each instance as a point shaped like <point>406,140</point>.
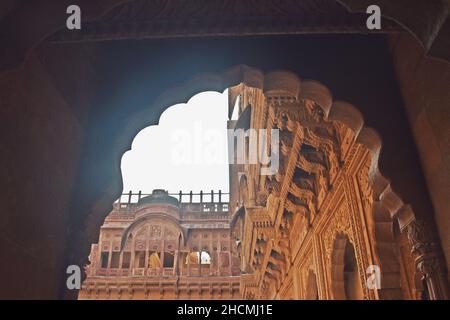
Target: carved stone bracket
<point>428,258</point>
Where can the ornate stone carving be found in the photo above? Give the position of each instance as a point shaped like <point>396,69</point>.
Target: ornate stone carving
<point>155,231</point>
<point>366,190</point>
<point>421,238</point>
<point>429,261</point>
<point>340,223</point>
<point>323,190</point>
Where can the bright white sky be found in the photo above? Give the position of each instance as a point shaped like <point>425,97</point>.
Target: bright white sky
<point>186,151</point>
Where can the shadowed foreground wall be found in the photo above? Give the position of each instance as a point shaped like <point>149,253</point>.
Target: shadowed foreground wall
<point>68,105</point>
<point>41,137</point>
<point>425,84</point>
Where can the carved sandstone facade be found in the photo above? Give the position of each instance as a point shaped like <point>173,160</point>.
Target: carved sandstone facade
<point>327,225</point>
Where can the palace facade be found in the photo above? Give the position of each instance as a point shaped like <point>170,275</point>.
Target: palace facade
<point>162,248</point>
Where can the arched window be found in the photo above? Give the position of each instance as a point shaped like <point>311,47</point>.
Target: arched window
<point>153,260</point>
<point>115,259</point>
<point>126,259</point>
<point>104,257</point>
<point>346,283</point>
<point>169,259</point>
<point>192,258</point>
<point>198,257</point>
<point>139,259</point>
<point>352,283</point>
<point>205,258</point>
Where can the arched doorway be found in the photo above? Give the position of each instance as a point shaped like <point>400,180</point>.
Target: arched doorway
<point>346,283</point>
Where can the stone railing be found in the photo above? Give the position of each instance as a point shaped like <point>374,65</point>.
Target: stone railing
<point>201,202</point>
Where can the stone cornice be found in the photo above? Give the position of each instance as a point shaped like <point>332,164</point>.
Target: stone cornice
<point>24,27</point>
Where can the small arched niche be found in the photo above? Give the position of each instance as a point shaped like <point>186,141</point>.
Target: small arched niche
<point>346,283</point>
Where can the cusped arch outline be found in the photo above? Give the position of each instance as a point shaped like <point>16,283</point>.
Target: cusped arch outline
<point>340,242</point>
<point>149,217</point>
<point>387,204</point>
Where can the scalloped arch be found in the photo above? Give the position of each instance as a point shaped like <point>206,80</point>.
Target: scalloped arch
<point>284,82</point>
<point>149,217</point>
<point>340,244</point>
<point>387,202</point>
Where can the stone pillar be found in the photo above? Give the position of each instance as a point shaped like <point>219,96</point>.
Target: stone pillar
<point>429,260</point>
<point>189,263</point>
<point>161,257</point>
<point>161,261</point>
<point>132,249</point>
<point>176,269</point>
<point>121,261</point>
<point>109,255</point>
<point>146,257</point>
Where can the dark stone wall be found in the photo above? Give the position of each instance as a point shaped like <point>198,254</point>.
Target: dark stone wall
<point>425,87</point>
<point>41,136</point>
<point>69,104</point>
